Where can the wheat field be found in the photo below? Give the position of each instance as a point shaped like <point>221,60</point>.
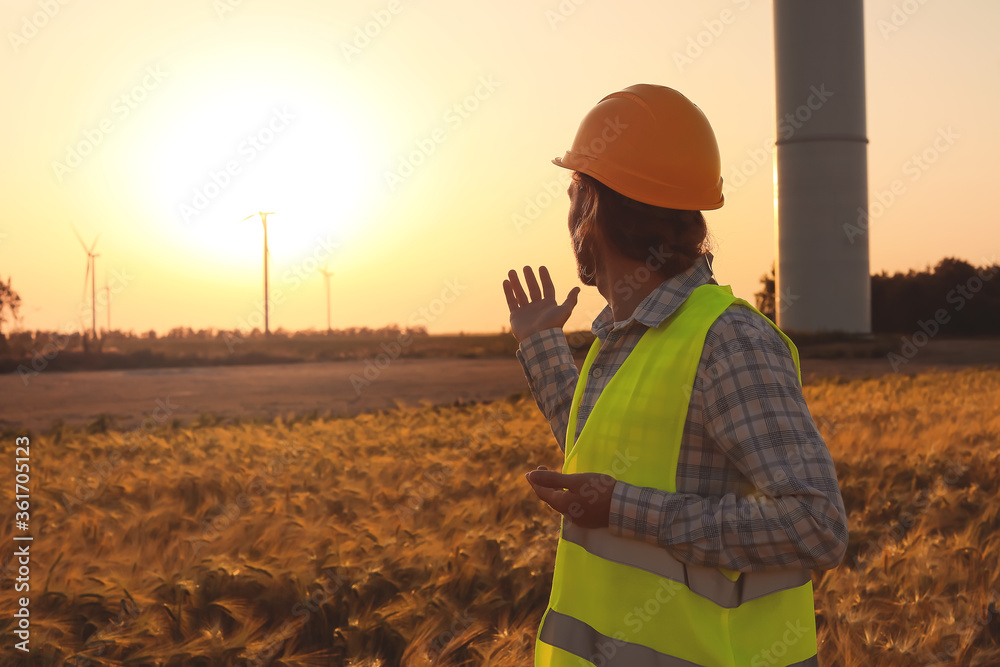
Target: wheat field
<point>409,537</point>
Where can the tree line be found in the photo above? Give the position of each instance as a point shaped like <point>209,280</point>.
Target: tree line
<point>964,299</point>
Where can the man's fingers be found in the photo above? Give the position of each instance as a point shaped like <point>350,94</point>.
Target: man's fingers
<point>557,500</point>
<point>508,292</point>
<point>532,283</point>
<point>548,289</point>
<point>515,285</point>
<point>571,298</point>
<point>555,480</point>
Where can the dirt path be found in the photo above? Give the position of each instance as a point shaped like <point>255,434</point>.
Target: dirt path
<point>248,391</point>
<point>267,391</point>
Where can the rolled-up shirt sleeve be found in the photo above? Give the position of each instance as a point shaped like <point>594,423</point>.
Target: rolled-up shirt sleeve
<point>790,513</point>
<point>552,375</point>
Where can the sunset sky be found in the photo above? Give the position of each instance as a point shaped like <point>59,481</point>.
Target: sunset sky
<point>408,159</point>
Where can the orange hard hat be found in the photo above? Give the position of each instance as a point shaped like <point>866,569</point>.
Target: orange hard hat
<point>651,144</point>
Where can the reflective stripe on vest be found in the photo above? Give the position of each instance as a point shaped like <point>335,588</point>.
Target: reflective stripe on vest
<point>708,582</point>
<point>618,601</point>
<point>577,638</point>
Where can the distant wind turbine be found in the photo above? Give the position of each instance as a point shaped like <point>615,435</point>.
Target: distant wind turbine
<point>92,275</point>
<point>263,219</point>
<point>107,299</point>
<point>327,274</point>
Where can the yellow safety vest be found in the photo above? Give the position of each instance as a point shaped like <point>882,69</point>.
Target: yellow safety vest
<point>624,602</point>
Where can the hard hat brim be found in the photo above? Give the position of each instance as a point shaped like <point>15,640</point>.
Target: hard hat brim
<point>654,194</point>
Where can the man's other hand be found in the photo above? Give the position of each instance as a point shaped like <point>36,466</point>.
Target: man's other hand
<point>584,498</point>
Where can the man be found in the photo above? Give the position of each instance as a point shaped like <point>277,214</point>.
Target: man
<point>696,492</point>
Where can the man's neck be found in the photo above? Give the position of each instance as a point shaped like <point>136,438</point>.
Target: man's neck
<point>619,282</point>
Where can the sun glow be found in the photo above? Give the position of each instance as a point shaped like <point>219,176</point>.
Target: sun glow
<point>227,156</point>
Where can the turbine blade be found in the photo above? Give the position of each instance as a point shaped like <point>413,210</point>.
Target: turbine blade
<point>94,244</point>
<point>86,277</point>
<point>78,237</point>
<point>252,215</point>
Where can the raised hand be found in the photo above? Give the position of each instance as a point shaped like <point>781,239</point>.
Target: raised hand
<point>528,316</point>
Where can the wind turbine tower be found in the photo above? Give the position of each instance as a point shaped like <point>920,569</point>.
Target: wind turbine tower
<point>263,219</point>
<point>326,275</point>
<point>107,299</point>
<point>92,275</point>
<point>821,167</point>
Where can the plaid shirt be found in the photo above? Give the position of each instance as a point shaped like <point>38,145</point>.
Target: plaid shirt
<point>756,487</point>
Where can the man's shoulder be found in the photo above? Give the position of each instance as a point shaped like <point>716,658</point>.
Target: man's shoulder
<point>740,311</point>
<point>742,327</point>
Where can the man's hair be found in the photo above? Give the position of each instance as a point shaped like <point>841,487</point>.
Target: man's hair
<point>636,230</point>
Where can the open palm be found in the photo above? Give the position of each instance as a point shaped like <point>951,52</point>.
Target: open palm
<point>541,311</point>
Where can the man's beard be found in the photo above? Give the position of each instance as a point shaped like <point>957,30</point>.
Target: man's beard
<point>586,264</point>
<point>583,251</point>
